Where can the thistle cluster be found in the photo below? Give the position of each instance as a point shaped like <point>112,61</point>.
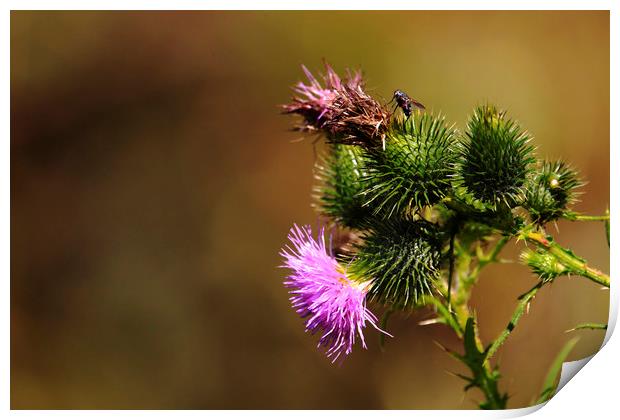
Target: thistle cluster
<point>410,190</point>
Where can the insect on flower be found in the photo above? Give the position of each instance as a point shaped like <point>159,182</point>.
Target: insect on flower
<point>404,102</point>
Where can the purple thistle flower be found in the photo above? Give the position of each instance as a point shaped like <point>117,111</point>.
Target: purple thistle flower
<point>323,293</point>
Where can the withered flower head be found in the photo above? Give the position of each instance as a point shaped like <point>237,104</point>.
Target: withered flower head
<point>342,109</point>
<point>313,101</point>
<point>356,118</point>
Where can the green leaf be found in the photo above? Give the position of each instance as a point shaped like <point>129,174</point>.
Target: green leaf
<point>483,377</point>
<point>384,321</point>
<point>472,353</point>
<point>551,380</point>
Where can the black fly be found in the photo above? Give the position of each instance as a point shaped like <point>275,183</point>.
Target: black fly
<point>404,102</point>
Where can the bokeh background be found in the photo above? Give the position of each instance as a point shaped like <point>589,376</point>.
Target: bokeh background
<point>153,183</point>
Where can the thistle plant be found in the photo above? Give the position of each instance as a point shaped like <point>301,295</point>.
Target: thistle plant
<point>423,207</point>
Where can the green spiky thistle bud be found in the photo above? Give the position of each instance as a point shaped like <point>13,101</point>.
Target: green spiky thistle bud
<point>550,191</point>
<point>495,157</point>
<point>543,264</point>
<point>403,260</point>
<point>338,193</point>
<point>416,167</point>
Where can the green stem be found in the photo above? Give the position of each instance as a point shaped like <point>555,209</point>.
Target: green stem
<point>447,315</point>
<point>494,401</point>
<point>589,326</point>
<point>585,218</point>
<point>524,300</point>
<point>575,264</point>
<point>451,269</point>
<point>384,321</point>
<point>492,256</point>
<point>469,280</point>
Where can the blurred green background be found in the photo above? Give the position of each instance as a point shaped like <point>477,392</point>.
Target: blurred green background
<point>153,183</point>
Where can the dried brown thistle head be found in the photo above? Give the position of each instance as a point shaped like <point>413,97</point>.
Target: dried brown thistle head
<point>341,109</point>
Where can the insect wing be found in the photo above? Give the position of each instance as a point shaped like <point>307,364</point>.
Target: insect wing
<point>417,104</point>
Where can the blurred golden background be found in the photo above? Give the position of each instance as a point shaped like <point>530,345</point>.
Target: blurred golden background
<point>153,183</point>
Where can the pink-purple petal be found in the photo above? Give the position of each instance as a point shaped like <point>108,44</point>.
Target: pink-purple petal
<point>322,293</point>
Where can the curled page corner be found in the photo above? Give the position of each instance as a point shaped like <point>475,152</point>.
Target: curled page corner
<point>570,369</point>
<point>613,315</point>
<point>518,412</point>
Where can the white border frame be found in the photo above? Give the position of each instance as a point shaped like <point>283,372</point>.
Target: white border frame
<point>592,394</point>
